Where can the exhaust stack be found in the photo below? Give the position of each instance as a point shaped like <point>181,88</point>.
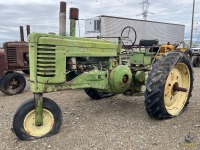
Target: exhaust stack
<point>21,33</point>
<point>28,29</point>
<point>73,16</point>
<point>62,19</point>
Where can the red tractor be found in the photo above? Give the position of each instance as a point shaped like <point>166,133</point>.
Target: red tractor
<point>14,58</point>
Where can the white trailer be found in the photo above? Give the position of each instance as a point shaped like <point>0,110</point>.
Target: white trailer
<point>109,26</point>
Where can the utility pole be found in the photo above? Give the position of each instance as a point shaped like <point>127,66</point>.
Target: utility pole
<point>191,36</point>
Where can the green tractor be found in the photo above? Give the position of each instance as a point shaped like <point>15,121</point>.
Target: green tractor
<point>103,69</point>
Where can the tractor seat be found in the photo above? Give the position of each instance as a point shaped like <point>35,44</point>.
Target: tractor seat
<point>148,43</point>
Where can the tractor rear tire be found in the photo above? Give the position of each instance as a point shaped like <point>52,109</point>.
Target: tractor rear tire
<point>162,98</point>
<point>196,61</point>
<point>13,83</point>
<point>24,120</point>
<point>97,94</point>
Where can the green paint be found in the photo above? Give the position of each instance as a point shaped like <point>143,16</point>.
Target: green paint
<point>140,76</point>
<point>141,58</point>
<point>72,27</point>
<point>38,109</point>
<point>137,58</point>
<point>116,79</point>
<point>119,48</point>
<point>48,55</point>
<point>49,68</point>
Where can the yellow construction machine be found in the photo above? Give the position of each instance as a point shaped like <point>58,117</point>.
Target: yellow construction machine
<point>172,47</point>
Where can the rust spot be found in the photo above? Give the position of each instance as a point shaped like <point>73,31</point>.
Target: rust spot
<point>63,7</point>
<point>74,13</point>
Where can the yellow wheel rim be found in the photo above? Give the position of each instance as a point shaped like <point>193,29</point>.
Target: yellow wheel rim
<point>29,123</point>
<point>175,100</point>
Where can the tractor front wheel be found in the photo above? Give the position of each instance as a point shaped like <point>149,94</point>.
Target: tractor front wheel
<point>24,120</point>
<point>13,83</point>
<point>97,94</point>
<point>169,86</point>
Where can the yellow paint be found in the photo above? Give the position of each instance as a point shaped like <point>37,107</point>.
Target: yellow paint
<point>167,48</point>
<point>175,100</point>
<point>31,129</point>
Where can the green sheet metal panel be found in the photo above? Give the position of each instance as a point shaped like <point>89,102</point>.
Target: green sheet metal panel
<point>48,55</point>
<point>137,58</point>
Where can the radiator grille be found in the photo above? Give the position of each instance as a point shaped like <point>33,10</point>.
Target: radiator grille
<point>11,55</point>
<point>46,60</point>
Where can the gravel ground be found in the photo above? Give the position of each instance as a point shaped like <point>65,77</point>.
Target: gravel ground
<point>117,123</point>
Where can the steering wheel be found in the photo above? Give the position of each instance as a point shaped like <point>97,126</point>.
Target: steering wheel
<point>129,37</point>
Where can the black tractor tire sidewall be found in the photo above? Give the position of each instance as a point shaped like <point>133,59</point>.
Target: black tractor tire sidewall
<point>94,94</point>
<point>151,96</point>
<point>0,84</point>
<point>28,106</point>
<point>196,61</point>
<point>26,71</point>
<point>6,80</point>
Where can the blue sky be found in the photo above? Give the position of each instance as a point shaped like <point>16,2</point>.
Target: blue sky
<point>43,16</point>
